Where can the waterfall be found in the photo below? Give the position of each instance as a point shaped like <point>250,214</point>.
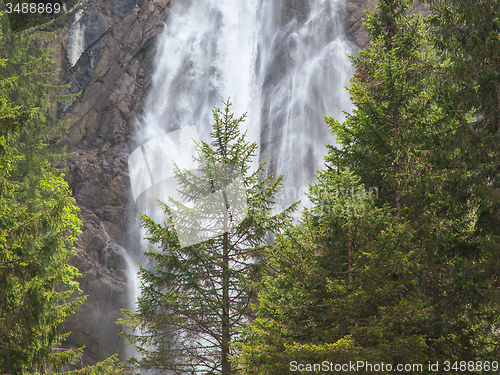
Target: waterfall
<point>131,271</point>
<point>283,61</point>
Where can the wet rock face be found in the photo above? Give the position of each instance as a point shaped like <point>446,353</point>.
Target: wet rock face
<point>106,52</point>
<point>354,23</point>
<point>103,280</point>
<point>356,10</point>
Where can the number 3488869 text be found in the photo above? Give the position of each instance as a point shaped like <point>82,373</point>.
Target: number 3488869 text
<point>33,8</point>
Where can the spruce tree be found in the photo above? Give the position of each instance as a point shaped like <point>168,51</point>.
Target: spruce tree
<point>407,138</point>
<point>197,297</point>
<point>340,287</point>
<point>390,138</point>
<point>468,35</point>
<point>38,217</point>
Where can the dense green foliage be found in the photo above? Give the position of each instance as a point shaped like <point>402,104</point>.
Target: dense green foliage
<point>340,286</point>
<point>38,217</point>
<point>110,366</point>
<point>402,139</point>
<point>468,35</point>
<point>412,276</point>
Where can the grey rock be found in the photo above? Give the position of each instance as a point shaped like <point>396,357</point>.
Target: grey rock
<point>95,26</point>
<point>356,10</point>
<point>111,76</point>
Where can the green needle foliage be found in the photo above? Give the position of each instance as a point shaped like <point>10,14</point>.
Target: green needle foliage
<point>392,136</point>
<point>110,366</point>
<point>415,278</point>
<point>402,135</point>
<point>38,216</point>
<point>196,298</point>
<point>406,138</point>
<point>340,286</point>
<point>467,34</point>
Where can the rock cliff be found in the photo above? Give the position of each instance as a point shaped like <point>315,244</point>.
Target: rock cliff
<point>106,51</point>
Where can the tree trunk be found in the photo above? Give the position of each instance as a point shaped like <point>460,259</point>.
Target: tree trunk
<point>349,259</point>
<point>226,335</point>
<point>349,271</point>
<point>398,195</point>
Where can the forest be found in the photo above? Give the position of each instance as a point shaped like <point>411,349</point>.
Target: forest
<point>392,267</point>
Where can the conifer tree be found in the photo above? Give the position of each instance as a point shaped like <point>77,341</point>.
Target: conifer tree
<point>468,34</point>
<point>339,287</point>
<point>406,138</point>
<point>197,297</point>
<point>38,218</point>
<point>390,140</point>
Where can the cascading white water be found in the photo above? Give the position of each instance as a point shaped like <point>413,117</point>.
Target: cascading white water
<point>302,68</point>
<point>283,61</point>
<point>206,54</point>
